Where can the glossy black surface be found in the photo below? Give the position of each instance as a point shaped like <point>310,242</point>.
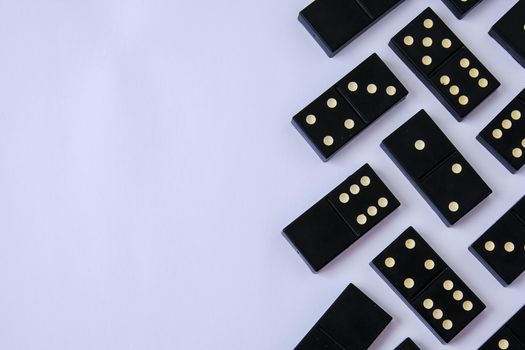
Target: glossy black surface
<point>319,235</point>
<point>353,322</point>
<point>331,113</point>
<point>407,344</point>
<point>348,107</point>
<point>504,136</point>
<point>335,222</point>
<point>436,168</point>
<point>443,187</point>
<point>371,89</point>
<point>463,82</point>
<point>335,23</point>
<point>509,33</point>
<point>433,52</point>
<point>427,285</point>
<point>410,42</point>
<point>461,7</point>
<point>409,263</point>
<point>501,247</point>
<point>454,305</point>
<point>511,336</point>
<point>363,200</point>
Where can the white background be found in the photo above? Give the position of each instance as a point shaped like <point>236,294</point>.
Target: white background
<point>148,166</point>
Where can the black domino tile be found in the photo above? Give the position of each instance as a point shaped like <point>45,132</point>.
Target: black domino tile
<point>319,235</point>
<point>435,167</point>
<point>511,336</point>
<point>504,136</point>
<point>335,23</point>
<point>363,200</point>
<point>427,285</point>
<point>454,305</point>
<point>461,7</point>
<point>407,264</point>
<point>328,123</point>
<point>509,32</point>
<point>350,106</point>
<point>435,54</point>
<point>407,344</point>
<point>501,249</point>
<point>503,339</point>
<point>340,218</point>
<point>371,89</point>
<point>401,145</point>
<point>378,8</point>
<point>463,82</point>
<point>315,339</point>
<point>353,322</point>
<point>517,324</point>
<point>411,46</point>
<point>445,187</point>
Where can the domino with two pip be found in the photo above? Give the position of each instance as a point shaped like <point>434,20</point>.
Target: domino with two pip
<point>501,249</point>
<point>509,32</point>
<point>427,285</point>
<point>349,107</point>
<point>335,23</point>
<point>443,63</point>
<point>340,218</point>
<point>435,167</point>
<point>504,136</point>
<point>510,336</point>
<point>353,322</point>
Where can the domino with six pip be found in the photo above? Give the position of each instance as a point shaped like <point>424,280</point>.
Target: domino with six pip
<point>353,322</point>
<point>502,248</point>
<point>435,167</point>
<point>407,344</point>
<point>427,285</point>
<point>509,32</point>
<point>341,218</point>
<point>510,336</point>
<point>461,7</point>
<point>443,63</point>
<point>348,107</point>
<point>504,136</point>
<point>335,23</point>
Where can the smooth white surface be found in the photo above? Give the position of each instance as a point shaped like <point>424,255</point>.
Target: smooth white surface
<point>148,166</point>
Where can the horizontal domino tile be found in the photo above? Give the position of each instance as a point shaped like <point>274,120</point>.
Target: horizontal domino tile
<point>349,107</point>
<point>340,218</point>
<point>336,23</point>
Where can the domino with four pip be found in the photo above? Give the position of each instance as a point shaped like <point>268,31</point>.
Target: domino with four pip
<point>428,285</point>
